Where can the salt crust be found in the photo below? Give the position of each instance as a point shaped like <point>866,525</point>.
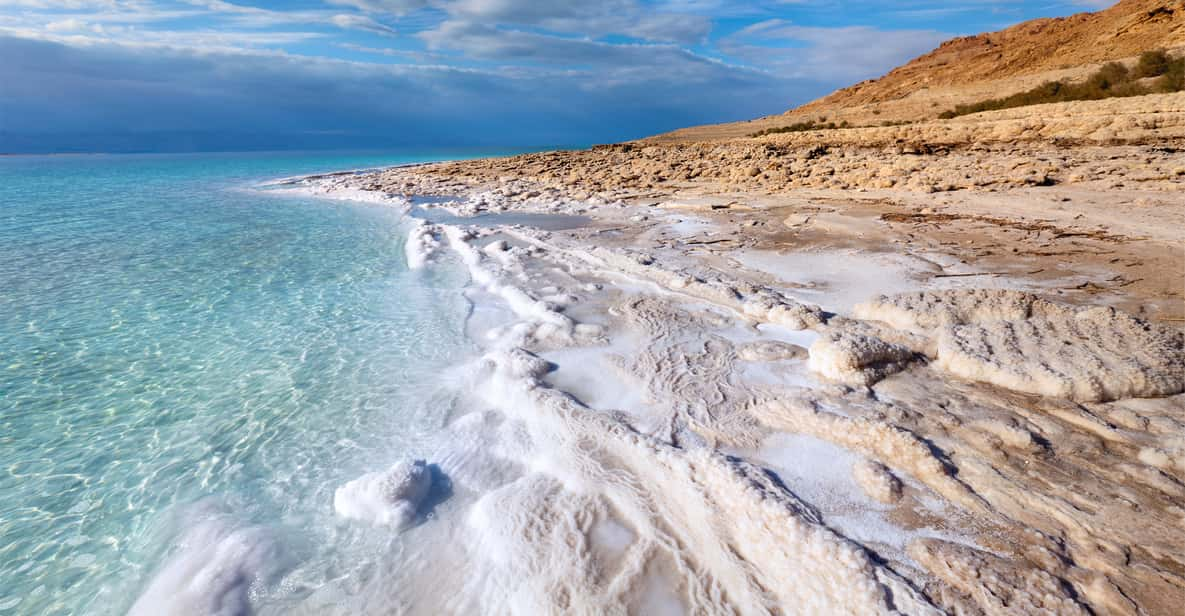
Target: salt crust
<point>877,481</point>
<point>855,358</point>
<point>421,243</point>
<point>389,498</point>
<point>214,568</point>
<point>998,586</point>
<point>728,533</point>
<point>1022,342</point>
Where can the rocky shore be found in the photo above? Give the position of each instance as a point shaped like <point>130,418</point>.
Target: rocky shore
<point>982,322</point>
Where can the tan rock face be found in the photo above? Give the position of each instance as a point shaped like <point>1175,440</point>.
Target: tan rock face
<point>975,68</point>
<point>1126,29</point>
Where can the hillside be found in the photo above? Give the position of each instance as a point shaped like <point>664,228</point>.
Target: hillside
<point>969,69</point>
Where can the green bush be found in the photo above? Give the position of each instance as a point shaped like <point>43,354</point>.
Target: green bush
<point>1152,64</point>
<point>799,127</point>
<point>1110,75</point>
<point>1111,80</point>
<point>1173,79</point>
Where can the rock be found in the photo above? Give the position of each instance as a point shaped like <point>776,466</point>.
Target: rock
<point>770,350</point>
<point>877,481</point>
<point>855,358</point>
<point>1028,344</point>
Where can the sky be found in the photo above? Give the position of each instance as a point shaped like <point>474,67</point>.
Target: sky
<point>204,75</point>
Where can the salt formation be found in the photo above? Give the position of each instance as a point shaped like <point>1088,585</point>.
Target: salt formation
<point>763,304</point>
<point>998,586</point>
<point>877,481</point>
<point>876,439</point>
<point>1043,504</point>
<point>723,534</point>
<point>213,570</point>
<point>728,533</point>
<point>930,310</point>
<point>540,321</point>
<point>773,308</point>
<point>855,358</point>
<point>1021,342</point>
<point>1093,355</point>
<point>389,498</point>
<point>421,243</point>
<point>770,350</point>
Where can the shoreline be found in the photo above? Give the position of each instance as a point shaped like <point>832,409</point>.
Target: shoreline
<point>715,328</point>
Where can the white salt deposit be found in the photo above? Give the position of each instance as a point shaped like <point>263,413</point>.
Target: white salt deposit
<point>1021,342</point>
<point>213,570</point>
<point>837,280</point>
<point>540,319</point>
<point>928,310</point>
<point>877,480</point>
<point>421,243</point>
<point>1092,355</point>
<point>770,350</point>
<point>854,358</point>
<point>728,533</point>
<point>570,505</point>
<point>339,191</point>
<point>388,498</point>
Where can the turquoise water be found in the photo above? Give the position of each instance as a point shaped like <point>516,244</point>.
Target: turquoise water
<point>171,337</point>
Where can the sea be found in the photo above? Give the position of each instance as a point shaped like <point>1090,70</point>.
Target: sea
<point>183,347</point>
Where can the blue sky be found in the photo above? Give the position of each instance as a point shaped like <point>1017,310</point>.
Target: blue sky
<point>87,75</point>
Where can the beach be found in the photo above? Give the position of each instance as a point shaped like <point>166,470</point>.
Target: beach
<point>578,381</point>
<point>373,308</point>
<point>901,397</point>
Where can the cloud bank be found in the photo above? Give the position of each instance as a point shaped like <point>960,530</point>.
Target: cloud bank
<point>210,74</point>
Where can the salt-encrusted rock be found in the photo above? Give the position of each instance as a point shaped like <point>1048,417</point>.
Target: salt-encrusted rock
<point>783,311</point>
<point>877,481</point>
<point>928,310</point>
<point>1097,354</point>
<point>421,243</point>
<point>855,358</point>
<point>1028,344</point>
<point>770,350</point>
<point>997,585</point>
<point>390,498</point>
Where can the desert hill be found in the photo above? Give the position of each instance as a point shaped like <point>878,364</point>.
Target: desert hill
<point>969,69</point>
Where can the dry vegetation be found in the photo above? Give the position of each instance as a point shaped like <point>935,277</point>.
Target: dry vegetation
<point>1155,72</point>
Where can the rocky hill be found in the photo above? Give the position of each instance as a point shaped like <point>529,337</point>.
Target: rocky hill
<point>970,69</point>
<point>1033,47</point>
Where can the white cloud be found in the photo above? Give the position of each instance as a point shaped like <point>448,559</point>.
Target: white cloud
<point>844,54</point>
<point>392,7</point>
<point>624,17</point>
<point>69,87</point>
<point>361,22</point>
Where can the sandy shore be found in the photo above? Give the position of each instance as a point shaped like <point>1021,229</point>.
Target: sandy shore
<point>821,399</point>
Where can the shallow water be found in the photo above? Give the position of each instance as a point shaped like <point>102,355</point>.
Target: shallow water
<point>546,222</point>
<point>175,346</point>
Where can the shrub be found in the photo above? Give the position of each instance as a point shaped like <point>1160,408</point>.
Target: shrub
<point>799,127</point>
<point>1173,79</point>
<point>1111,80</point>
<point>1152,64</point>
<point>1110,75</point>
